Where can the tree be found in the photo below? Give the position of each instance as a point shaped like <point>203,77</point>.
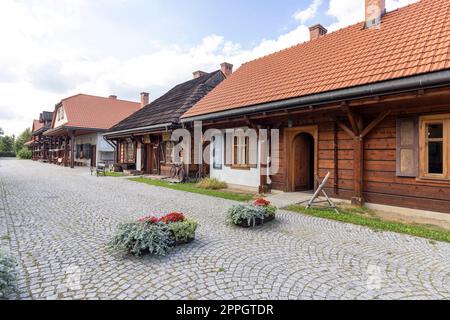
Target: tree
<point>1,133</point>
<point>7,144</point>
<point>23,138</point>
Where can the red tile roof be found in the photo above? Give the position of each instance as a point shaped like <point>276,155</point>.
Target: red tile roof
<point>92,112</point>
<point>37,125</point>
<point>412,40</point>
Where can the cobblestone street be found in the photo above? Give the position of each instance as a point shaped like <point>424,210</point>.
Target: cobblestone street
<point>57,222</point>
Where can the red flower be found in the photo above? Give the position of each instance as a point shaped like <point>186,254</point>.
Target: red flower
<point>173,217</point>
<point>149,220</point>
<point>261,203</point>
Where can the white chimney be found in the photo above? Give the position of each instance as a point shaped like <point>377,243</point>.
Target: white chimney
<point>198,74</point>
<point>374,11</point>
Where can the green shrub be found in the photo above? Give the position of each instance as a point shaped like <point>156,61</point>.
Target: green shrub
<point>8,275</point>
<point>7,154</point>
<point>211,184</point>
<point>270,210</point>
<point>240,213</point>
<point>25,154</point>
<point>138,238</point>
<point>183,231</point>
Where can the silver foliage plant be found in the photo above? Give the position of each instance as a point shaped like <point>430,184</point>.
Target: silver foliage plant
<point>139,238</point>
<point>8,275</point>
<point>249,213</point>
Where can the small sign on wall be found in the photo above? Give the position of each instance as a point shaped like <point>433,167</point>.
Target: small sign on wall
<point>146,139</point>
<point>167,136</point>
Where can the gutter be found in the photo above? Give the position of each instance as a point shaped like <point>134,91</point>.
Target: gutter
<point>156,126</point>
<point>435,79</point>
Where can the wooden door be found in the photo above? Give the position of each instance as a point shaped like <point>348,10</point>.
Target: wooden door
<point>149,159</point>
<point>93,153</point>
<point>302,163</point>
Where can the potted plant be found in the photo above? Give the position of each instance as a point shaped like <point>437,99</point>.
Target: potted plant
<point>154,235</point>
<point>259,212</point>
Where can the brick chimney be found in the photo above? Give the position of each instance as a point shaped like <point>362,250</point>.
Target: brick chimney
<point>145,99</point>
<point>198,74</point>
<point>227,69</point>
<point>374,10</point>
<point>317,31</point>
<point>114,97</point>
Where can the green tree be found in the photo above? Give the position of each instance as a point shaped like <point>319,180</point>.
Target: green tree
<point>23,138</point>
<point>7,144</point>
<point>1,132</point>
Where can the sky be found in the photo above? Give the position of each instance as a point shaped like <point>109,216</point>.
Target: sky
<point>52,49</point>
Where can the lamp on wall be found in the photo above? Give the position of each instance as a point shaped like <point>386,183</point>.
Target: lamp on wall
<point>290,124</point>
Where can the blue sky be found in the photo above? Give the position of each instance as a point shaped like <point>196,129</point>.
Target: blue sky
<point>57,48</point>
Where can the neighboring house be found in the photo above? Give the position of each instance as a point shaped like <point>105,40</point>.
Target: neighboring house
<point>144,139</point>
<point>77,127</point>
<point>39,144</point>
<point>369,103</point>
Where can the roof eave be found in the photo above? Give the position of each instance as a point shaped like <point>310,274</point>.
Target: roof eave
<point>130,131</point>
<point>435,79</point>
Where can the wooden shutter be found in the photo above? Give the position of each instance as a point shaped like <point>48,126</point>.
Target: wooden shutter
<point>407,147</point>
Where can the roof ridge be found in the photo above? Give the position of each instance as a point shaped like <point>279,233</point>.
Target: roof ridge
<point>97,96</point>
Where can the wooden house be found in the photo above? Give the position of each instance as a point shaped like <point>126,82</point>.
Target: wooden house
<point>77,126</point>
<point>144,139</point>
<point>369,103</point>
<point>39,144</point>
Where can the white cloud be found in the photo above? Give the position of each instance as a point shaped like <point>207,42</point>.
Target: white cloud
<point>309,13</point>
<point>45,59</point>
<point>352,11</point>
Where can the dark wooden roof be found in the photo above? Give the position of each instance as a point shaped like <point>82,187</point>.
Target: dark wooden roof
<point>46,116</point>
<point>172,105</point>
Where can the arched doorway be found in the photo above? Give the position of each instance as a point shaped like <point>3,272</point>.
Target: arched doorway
<point>303,155</point>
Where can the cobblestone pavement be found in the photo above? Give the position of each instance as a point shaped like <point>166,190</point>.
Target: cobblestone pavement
<point>56,222</point>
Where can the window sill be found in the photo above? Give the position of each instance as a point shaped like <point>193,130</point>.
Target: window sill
<point>241,168</point>
<point>434,180</point>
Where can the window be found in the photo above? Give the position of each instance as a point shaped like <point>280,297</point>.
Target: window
<point>435,146</point>
<point>240,151</point>
<point>127,150</point>
<point>169,153</point>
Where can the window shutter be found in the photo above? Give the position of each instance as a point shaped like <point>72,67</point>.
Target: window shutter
<point>407,147</point>
<point>228,147</point>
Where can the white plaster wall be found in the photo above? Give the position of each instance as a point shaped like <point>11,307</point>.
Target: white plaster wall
<point>139,157</point>
<point>105,151</point>
<point>246,178</point>
<point>60,122</point>
<point>85,139</point>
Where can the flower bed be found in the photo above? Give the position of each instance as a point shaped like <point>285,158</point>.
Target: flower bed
<point>154,235</point>
<point>247,216</point>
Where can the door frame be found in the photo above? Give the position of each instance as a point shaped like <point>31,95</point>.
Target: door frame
<point>291,134</point>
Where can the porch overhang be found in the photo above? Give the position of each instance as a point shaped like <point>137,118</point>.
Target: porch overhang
<point>137,131</point>
<point>67,130</point>
<point>402,85</point>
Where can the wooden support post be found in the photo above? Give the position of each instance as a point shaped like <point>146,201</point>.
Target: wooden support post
<point>336,159</point>
<point>264,166</point>
<point>66,151</point>
<point>72,148</point>
<point>358,171</point>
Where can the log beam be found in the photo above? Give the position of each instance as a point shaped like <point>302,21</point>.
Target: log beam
<point>72,147</point>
